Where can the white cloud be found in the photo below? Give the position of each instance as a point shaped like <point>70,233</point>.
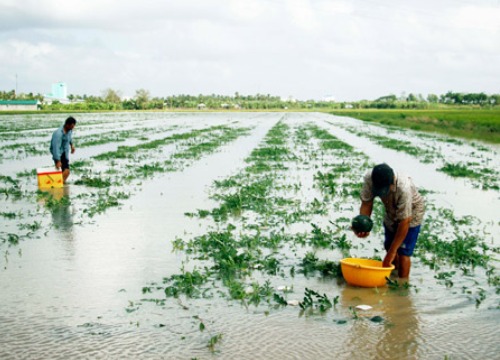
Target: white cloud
<point>304,48</point>
<point>302,14</point>
<point>475,17</point>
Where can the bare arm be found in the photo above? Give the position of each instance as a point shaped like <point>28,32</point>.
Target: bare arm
<point>366,208</point>
<point>399,237</point>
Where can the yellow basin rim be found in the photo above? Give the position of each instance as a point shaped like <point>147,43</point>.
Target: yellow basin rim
<point>360,264</point>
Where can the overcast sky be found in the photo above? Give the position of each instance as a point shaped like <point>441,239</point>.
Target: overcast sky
<point>307,49</point>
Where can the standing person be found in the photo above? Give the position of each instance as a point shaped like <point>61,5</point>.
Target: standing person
<point>404,211</point>
<point>61,144</point>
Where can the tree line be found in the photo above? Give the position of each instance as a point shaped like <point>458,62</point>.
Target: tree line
<point>111,99</point>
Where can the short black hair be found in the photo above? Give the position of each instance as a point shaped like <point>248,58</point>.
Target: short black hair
<point>70,120</point>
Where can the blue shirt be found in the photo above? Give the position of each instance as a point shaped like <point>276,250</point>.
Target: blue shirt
<point>60,143</point>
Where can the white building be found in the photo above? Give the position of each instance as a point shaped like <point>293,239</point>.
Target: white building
<point>59,93</point>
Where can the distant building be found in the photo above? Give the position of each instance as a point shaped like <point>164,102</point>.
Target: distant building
<point>202,106</point>
<point>12,105</point>
<point>59,90</point>
<point>59,93</point>
<point>328,98</point>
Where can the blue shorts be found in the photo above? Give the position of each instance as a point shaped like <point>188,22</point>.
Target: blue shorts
<point>64,162</point>
<point>408,244</point>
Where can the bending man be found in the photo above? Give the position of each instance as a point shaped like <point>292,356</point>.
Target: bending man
<point>61,144</point>
<point>404,210</point>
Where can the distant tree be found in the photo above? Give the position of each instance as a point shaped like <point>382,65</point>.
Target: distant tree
<point>142,97</point>
<point>411,97</point>
<point>111,96</point>
<point>432,98</point>
<point>495,99</point>
<point>387,98</point>
<point>93,99</point>
<point>8,95</point>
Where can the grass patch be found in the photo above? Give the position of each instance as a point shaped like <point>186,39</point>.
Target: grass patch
<point>480,124</point>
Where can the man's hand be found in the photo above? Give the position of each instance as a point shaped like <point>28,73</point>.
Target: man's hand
<point>58,164</point>
<point>389,258</point>
<point>361,234</point>
<point>72,149</point>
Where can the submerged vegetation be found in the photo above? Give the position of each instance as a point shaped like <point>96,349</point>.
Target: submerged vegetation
<point>275,230</point>
<point>478,170</point>
<point>256,212</point>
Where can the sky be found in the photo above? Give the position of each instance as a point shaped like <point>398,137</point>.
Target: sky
<point>306,49</point>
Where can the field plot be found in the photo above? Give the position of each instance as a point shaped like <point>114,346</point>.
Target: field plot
<point>219,236</point>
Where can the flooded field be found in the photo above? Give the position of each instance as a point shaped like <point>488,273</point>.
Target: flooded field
<point>206,235</point>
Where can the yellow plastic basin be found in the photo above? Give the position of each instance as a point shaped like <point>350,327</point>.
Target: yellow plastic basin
<point>365,272</point>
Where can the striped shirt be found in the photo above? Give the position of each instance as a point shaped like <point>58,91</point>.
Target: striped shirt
<point>403,201</point>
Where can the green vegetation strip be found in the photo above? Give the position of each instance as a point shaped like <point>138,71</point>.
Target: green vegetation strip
<point>483,176</point>
<point>107,191</point>
<point>237,254</point>
<point>252,236</point>
<point>481,124</point>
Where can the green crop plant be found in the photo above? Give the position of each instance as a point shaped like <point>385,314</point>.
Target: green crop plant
<point>404,146</point>
<point>354,313</point>
<point>97,182</point>
<point>314,299</point>
<point>320,238</point>
<point>80,165</point>
<point>114,136</point>
<point>481,296</point>
<point>446,277</point>
<point>253,196</point>
<point>462,250</point>
<point>270,154</point>
<point>104,200</point>
<point>9,215</point>
<point>402,287</point>
<point>12,187</point>
<point>280,300</point>
<point>27,173</point>
<point>459,170</point>
<point>214,340</point>
<point>327,182</point>
<point>311,264</point>
<point>11,239</point>
<point>35,226</point>
<point>187,283</point>
<point>259,293</point>
<point>196,150</point>
<point>484,178</point>
<point>124,152</point>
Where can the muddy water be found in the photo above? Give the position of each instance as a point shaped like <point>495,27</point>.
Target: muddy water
<point>76,291</point>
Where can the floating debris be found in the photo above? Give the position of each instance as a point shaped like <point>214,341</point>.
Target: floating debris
<point>284,288</point>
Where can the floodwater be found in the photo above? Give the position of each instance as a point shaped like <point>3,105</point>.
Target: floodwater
<point>75,290</point>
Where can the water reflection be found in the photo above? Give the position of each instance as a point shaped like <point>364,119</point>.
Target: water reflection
<point>390,330</point>
<point>62,216</point>
<point>58,202</point>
